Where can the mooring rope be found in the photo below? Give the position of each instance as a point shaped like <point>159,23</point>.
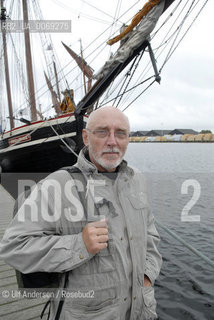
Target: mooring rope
<point>187,245</point>
<point>63,141</point>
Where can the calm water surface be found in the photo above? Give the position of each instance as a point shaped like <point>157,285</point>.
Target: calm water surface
<point>181,176</point>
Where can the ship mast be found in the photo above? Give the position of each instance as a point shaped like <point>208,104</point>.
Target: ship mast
<point>29,63</point>
<point>83,68</point>
<point>7,75</point>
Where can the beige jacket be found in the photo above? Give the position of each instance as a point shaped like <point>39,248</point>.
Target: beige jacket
<point>46,236</point>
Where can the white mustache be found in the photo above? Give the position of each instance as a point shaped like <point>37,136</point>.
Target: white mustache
<point>114,149</point>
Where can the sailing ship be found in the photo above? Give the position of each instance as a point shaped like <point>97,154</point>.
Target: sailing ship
<point>44,145</point>
<point>36,146</point>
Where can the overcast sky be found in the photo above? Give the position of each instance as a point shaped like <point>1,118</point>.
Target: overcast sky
<point>185,98</point>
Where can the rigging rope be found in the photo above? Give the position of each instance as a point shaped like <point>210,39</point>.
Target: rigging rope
<point>148,66</point>
<point>64,141</point>
<point>127,91</point>
<point>130,78</point>
<point>20,70</point>
<point>139,95</point>
<point>170,54</point>
<point>167,19</point>
<point>176,31</point>
<point>89,4</point>
<point>115,16</point>
<point>179,30</point>
<point>89,17</point>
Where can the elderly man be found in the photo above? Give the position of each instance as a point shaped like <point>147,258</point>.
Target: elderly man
<point>110,253</point>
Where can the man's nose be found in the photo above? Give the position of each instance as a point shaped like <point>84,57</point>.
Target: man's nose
<point>111,139</point>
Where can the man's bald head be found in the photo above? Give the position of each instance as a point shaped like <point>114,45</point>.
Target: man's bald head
<point>104,113</point>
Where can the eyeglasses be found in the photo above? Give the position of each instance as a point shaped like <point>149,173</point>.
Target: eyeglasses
<point>103,133</point>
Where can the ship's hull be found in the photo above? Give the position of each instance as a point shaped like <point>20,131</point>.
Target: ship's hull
<point>40,148</point>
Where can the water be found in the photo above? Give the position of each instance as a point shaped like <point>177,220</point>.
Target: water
<point>185,287</point>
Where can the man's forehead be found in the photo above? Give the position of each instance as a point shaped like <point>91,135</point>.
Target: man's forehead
<point>110,121</point>
<point>123,125</point>
<point>110,117</point>
<point>108,127</point>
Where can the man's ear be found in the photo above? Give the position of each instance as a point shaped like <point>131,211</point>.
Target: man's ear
<point>85,137</point>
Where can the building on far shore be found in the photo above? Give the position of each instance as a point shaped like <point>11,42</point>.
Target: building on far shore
<point>183,131</point>
<point>155,133</point>
<point>138,133</point>
<point>161,133</point>
<point>176,135</point>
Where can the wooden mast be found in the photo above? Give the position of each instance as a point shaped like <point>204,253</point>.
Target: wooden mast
<point>56,103</point>
<point>83,67</point>
<point>29,63</point>
<point>7,75</point>
<point>57,81</point>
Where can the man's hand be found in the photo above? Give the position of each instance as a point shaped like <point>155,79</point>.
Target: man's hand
<point>95,236</point>
<point>147,282</point>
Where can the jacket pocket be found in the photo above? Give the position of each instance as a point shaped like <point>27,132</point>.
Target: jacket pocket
<point>110,313</point>
<point>138,200</point>
<point>101,262</point>
<point>139,211</point>
<point>147,309</point>
<point>149,304</point>
<point>99,304</point>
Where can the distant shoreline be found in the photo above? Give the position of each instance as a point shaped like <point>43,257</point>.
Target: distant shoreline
<point>138,141</point>
<point>201,137</point>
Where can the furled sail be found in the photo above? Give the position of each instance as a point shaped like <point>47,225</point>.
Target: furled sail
<point>85,68</point>
<point>137,36</point>
<point>137,18</point>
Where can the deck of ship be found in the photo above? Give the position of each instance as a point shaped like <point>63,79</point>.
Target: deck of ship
<point>11,306</point>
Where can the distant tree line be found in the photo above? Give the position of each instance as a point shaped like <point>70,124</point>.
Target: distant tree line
<point>206,131</point>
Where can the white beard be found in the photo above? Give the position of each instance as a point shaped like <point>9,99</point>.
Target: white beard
<point>107,164</point>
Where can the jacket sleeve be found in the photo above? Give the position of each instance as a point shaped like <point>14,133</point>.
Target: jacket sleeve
<point>153,256</point>
<point>34,241</point>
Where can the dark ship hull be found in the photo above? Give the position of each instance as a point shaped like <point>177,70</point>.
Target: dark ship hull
<point>35,150</point>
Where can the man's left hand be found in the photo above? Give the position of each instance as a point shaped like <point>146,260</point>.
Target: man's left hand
<point>147,282</point>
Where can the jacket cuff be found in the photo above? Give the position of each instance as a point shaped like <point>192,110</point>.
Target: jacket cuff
<point>150,275</point>
<point>81,255</point>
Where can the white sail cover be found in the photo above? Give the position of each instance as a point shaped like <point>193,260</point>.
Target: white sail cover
<point>135,39</point>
